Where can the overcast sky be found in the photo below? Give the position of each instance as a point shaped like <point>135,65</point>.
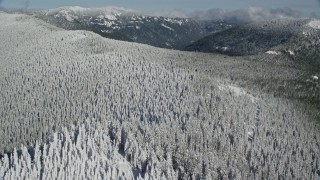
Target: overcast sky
<point>305,6</point>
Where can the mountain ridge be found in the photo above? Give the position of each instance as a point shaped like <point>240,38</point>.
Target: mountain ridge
<point>123,24</point>
<point>295,38</point>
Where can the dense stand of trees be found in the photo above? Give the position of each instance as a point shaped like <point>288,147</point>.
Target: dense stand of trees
<point>74,105</point>
<point>251,38</point>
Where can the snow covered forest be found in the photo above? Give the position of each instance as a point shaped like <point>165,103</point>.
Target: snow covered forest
<point>75,105</point>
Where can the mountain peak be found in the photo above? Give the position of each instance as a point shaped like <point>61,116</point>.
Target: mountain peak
<point>77,10</point>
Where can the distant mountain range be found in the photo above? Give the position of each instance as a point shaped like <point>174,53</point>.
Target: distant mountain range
<point>127,25</point>
<point>297,38</point>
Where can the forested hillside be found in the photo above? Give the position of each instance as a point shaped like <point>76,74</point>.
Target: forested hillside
<point>297,39</point>
<point>128,25</point>
<point>251,38</point>
<point>75,105</point>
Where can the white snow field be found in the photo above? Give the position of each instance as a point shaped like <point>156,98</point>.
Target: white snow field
<point>273,52</point>
<point>314,24</point>
<point>108,12</point>
<point>74,105</point>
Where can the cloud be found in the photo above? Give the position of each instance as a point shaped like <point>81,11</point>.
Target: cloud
<point>176,13</point>
<point>247,15</point>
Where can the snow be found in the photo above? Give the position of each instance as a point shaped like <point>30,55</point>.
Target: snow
<point>305,33</point>
<point>69,18</point>
<point>237,91</point>
<point>67,15</point>
<point>291,53</point>
<point>250,135</point>
<point>107,23</point>
<point>108,79</point>
<point>225,48</point>
<point>108,16</point>
<point>314,24</point>
<point>78,36</point>
<point>273,52</point>
<point>174,21</point>
<point>167,27</point>
<point>108,12</point>
<point>111,17</point>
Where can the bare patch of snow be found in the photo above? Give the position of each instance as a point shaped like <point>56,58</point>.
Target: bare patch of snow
<point>69,18</point>
<point>107,23</point>
<point>225,48</point>
<point>237,91</point>
<point>273,52</point>
<point>77,36</point>
<point>250,135</point>
<point>108,16</point>
<point>305,33</point>
<point>314,24</point>
<point>167,27</point>
<point>291,53</point>
<point>67,15</point>
<point>315,77</point>
<point>174,21</point>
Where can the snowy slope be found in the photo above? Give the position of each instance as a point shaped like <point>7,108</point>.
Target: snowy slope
<point>86,107</point>
<point>129,25</point>
<point>295,39</point>
<point>106,11</point>
<point>251,38</point>
<point>314,24</point>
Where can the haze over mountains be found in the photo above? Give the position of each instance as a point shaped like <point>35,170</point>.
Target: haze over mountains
<point>77,104</point>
